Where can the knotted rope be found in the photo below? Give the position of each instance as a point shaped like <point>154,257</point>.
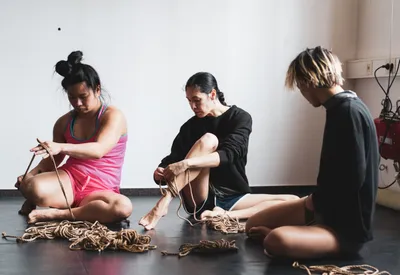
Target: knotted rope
<point>204,247</point>
<point>222,223</point>
<point>87,236</point>
<point>345,270</point>
<point>58,175</point>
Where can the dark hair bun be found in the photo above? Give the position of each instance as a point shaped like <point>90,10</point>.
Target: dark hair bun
<point>75,57</point>
<point>64,68</point>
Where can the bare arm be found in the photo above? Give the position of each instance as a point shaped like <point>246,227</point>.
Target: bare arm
<point>112,126</point>
<point>46,165</point>
<point>208,161</point>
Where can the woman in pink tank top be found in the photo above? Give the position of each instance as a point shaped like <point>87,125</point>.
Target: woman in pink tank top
<point>92,138</point>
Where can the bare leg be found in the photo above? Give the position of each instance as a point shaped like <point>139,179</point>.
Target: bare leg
<point>250,205</point>
<point>26,208</point>
<point>102,206</point>
<point>198,178</point>
<point>290,212</point>
<point>301,242</point>
<point>44,190</point>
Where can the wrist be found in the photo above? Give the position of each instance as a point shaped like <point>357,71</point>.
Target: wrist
<point>188,163</point>
<point>63,148</point>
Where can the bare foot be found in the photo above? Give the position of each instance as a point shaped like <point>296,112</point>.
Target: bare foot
<point>161,209</point>
<point>210,214</point>
<point>26,208</point>
<point>45,215</point>
<point>259,232</point>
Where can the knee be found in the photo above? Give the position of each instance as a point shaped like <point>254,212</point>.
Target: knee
<point>208,142</point>
<point>33,190</point>
<point>276,243</point>
<point>291,197</point>
<point>248,225</point>
<point>123,208</point>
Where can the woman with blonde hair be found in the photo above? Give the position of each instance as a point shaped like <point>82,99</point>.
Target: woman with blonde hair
<point>337,217</point>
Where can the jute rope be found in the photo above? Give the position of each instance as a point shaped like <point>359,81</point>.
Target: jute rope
<point>83,234</point>
<point>222,223</point>
<point>204,247</point>
<point>345,270</point>
<point>87,236</point>
<point>58,175</point>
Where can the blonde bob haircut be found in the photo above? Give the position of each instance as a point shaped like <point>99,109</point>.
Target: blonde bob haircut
<point>316,67</point>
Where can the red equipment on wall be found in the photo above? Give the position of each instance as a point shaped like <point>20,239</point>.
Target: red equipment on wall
<point>388,130</point>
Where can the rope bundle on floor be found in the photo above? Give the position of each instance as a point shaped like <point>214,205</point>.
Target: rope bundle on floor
<point>345,270</point>
<point>225,224</point>
<point>87,236</point>
<point>222,223</point>
<point>204,247</point>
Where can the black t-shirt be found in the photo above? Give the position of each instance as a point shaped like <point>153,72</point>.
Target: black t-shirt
<point>232,129</point>
<point>349,169</point>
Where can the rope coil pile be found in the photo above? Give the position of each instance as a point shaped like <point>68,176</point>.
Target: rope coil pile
<point>222,223</point>
<point>345,270</point>
<point>87,236</point>
<point>204,247</point>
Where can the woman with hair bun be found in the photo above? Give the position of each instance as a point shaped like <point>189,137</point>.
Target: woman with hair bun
<point>93,136</point>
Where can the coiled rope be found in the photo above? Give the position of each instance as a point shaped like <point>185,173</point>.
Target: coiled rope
<point>345,270</point>
<point>204,247</point>
<point>87,236</point>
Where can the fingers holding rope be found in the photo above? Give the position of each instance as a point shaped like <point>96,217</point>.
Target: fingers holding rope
<point>50,152</point>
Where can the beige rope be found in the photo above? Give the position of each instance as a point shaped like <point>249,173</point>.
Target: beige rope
<point>222,223</point>
<point>345,270</point>
<point>58,175</point>
<point>87,236</point>
<point>204,247</point>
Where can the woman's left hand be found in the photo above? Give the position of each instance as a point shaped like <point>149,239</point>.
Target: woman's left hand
<point>175,169</point>
<point>54,148</point>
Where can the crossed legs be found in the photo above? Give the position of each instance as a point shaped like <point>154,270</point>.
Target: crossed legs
<point>284,233</point>
<point>43,190</point>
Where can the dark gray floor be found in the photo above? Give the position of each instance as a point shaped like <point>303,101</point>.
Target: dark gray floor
<point>54,257</point>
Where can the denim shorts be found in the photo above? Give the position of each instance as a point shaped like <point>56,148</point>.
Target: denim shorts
<point>227,203</point>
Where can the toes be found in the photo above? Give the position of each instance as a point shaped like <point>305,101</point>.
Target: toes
<point>148,227</point>
<point>143,222</point>
<point>206,214</point>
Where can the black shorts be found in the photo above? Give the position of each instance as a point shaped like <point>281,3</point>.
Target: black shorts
<point>347,248</point>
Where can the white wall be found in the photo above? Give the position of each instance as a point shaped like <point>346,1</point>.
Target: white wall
<point>374,40</point>
<point>145,51</point>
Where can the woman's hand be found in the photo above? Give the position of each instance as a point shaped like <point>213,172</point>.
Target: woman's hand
<point>175,169</point>
<point>19,180</point>
<point>159,174</point>
<point>53,148</point>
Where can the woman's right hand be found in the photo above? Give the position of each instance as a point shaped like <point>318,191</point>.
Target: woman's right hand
<point>19,181</point>
<point>159,174</point>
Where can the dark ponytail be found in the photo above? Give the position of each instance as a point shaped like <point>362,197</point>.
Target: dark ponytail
<point>205,82</point>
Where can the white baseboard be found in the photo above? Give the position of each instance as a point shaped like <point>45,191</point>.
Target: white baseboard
<point>388,198</point>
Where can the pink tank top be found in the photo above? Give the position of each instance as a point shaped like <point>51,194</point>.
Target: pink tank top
<point>108,169</point>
